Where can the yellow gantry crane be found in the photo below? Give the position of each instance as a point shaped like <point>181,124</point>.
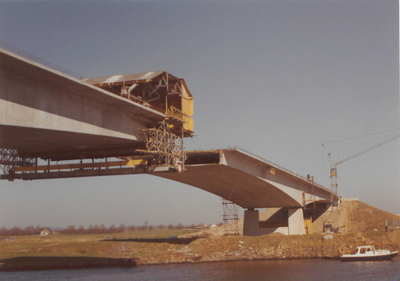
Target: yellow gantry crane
<point>333,173</point>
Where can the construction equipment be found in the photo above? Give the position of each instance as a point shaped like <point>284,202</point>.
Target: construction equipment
<point>158,90</point>
<point>167,94</point>
<point>333,176</point>
<point>230,217</point>
<point>163,107</point>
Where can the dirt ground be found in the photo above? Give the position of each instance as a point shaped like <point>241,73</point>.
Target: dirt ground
<point>357,219</point>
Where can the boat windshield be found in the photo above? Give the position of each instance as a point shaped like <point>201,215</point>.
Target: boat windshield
<point>363,250</point>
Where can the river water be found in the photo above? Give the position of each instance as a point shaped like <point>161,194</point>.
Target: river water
<point>325,270</point>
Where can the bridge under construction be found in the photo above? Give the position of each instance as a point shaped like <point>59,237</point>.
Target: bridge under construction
<point>55,126</point>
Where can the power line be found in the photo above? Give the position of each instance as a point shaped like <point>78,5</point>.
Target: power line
<point>361,136</point>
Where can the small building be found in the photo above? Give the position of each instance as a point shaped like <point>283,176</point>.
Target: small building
<point>45,232</point>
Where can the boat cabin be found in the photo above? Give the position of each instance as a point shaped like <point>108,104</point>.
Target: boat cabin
<point>362,250</point>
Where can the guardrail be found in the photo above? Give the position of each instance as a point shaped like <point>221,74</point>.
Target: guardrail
<point>278,166</point>
<point>39,60</point>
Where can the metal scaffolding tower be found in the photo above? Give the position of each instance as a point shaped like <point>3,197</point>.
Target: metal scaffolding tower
<point>166,146</point>
<point>230,217</point>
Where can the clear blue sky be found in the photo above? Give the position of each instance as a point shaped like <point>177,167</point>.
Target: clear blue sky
<point>277,78</point>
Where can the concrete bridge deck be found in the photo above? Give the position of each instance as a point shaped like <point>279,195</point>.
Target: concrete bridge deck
<point>44,112</point>
<point>252,183</point>
<point>246,180</point>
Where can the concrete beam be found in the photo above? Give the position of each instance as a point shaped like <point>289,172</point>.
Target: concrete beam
<point>42,108</point>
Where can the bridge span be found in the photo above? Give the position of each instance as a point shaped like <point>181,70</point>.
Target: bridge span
<point>112,126</point>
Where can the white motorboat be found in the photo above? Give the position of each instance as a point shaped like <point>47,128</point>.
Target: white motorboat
<point>369,253</point>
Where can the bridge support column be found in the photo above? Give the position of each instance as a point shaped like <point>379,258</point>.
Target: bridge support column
<point>251,223</point>
<point>296,221</point>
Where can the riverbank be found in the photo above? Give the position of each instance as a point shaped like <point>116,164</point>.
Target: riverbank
<point>83,251</point>
<point>270,247</point>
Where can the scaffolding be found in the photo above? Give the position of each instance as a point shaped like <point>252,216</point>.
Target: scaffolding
<point>9,159</point>
<point>166,146</point>
<point>230,218</point>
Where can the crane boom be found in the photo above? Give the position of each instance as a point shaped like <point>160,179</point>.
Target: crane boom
<point>367,149</point>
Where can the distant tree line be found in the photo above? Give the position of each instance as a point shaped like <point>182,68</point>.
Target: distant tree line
<point>92,229</point>
<point>16,230</point>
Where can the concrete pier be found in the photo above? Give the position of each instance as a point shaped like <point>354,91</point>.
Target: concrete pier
<point>251,224</point>
<point>295,223</point>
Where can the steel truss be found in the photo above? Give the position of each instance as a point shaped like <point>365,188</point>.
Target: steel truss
<point>9,159</point>
<point>166,147</point>
<point>230,217</point>
<point>78,168</point>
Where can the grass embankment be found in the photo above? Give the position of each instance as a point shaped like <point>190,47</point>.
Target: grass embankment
<point>77,251</point>
<point>214,248</point>
<point>87,245</point>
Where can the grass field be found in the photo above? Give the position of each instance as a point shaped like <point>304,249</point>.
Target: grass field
<point>83,245</point>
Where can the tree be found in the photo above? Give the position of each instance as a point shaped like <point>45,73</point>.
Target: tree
<point>4,231</point>
<point>30,230</point>
<point>102,228</point>
<point>37,228</point>
<point>81,229</point>
<point>70,229</point>
<point>122,228</point>
<point>16,230</point>
<point>112,229</point>
<point>96,229</point>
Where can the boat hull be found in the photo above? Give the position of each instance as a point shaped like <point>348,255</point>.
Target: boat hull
<point>384,257</point>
